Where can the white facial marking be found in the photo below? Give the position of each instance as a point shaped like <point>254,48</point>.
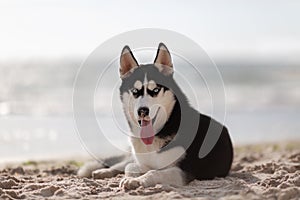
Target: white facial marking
<point>145,80</point>
<point>128,107</point>
<point>151,85</point>
<point>138,85</point>
<point>145,84</point>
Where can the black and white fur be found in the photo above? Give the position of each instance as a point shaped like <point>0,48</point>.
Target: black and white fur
<point>152,86</point>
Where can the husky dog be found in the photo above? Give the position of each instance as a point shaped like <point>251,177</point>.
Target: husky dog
<point>167,132</point>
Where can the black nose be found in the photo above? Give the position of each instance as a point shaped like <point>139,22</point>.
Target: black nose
<point>143,111</point>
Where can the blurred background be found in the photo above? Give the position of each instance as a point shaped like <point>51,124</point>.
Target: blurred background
<point>255,44</point>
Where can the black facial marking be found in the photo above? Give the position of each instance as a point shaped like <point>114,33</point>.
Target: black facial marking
<point>154,92</point>
<point>137,93</point>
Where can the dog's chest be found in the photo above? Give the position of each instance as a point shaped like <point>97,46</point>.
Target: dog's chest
<point>148,156</point>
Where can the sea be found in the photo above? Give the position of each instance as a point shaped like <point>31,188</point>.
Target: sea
<point>259,102</point>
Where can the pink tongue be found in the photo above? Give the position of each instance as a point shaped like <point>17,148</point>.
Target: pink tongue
<point>147,132</point>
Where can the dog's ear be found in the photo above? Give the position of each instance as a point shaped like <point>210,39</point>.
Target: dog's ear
<point>127,62</point>
<point>163,60</point>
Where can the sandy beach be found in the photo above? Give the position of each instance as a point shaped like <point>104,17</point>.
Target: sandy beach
<point>264,171</point>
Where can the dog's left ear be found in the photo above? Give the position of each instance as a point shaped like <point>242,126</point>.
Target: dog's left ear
<point>163,60</point>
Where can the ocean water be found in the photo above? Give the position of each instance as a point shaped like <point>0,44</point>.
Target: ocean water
<point>36,117</point>
<point>23,137</point>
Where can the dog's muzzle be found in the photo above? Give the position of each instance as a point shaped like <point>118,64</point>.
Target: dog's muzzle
<point>143,113</point>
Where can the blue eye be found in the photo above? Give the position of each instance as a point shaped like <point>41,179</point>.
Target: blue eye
<point>156,90</point>
<point>134,91</point>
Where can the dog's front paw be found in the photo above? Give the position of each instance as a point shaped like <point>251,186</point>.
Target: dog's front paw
<point>129,183</point>
<point>103,173</point>
<point>132,170</point>
<point>87,169</point>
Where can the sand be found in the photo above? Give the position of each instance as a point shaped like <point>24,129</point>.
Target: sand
<point>267,171</point>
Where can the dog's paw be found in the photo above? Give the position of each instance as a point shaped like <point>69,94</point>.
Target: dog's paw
<point>103,173</point>
<point>130,183</point>
<point>132,170</point>
<point>87,169</point>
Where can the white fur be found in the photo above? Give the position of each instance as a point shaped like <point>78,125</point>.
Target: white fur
<point>128,107</point>
<point>151,85</point>
<point>87,169</point>
<point>138,85</point>
<point>171,176</point>
<point>147,156</point>
<point>159,167</point>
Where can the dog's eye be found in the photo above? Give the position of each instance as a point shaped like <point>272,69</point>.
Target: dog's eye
<point>134,91</point>
<point>156,90</point>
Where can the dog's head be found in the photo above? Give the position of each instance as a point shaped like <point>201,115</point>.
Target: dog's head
<point>146,92</point>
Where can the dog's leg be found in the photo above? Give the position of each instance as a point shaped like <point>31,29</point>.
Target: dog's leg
<point>134,170</point>
<point>112,171</point>
<point>170,176</point>
<point>117,163</point>
<point>87,169</point>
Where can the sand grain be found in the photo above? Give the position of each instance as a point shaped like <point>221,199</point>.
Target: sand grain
<point>258,172</point>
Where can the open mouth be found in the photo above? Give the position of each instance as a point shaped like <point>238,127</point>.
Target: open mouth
<point>147,132</point>
<point>153,120</point>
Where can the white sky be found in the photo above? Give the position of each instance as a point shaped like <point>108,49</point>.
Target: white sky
<point>224,28</point>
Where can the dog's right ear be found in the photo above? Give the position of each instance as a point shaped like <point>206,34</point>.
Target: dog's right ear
<point>127,62</point>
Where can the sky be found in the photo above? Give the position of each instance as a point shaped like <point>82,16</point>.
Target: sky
<point>59,28</point>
